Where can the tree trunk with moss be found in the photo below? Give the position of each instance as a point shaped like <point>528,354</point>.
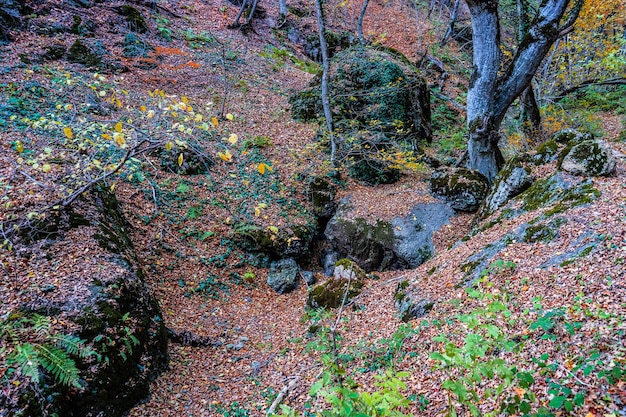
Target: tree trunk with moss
<point>493,89</point>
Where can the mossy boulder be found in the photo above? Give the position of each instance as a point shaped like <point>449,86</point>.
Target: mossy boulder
<point>335,291</point>
<point>321,194</point>
<point>513,179</point>
<point>287,241</point>
<point>565,136</point>
<point>547,152</point>
<point>89,56</point>
<point>134,18</point>
<point>463,189</point>
<point>378,102</point>
<point>591,158</point>
<point>400,243</point>
<point>106,303</point>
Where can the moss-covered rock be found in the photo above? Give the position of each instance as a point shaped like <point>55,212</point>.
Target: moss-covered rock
<point>80,53</point>
<point>513,179</point>
<point>461,188</point>
<point>590,158</point>
<point>110,307</point>
<point>402,242</point>
<point>565,136</point>
<point>284,242</point>
<point>543,231</point>
<point>321,194</point>
<point>335,291</point>
<point>378,102</point>
<point>134,18</point>
<point>547,152</point>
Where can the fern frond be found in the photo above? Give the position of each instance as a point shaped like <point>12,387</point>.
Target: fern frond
<point>57,362</point>
<point>26,358</point>
<point>73,345</point>
<point>41,324</point>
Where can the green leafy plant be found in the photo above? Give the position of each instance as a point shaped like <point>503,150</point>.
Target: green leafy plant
<point>32,348</point>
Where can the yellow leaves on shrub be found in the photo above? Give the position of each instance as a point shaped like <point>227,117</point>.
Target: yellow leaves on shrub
<point>232,139</point>
<point>180,159</point>
<point>142,109</point>
<point>214,121</point>
<point>68,132</point>
<point>225,156</point>
<point>168,146</point>
<point>229,117</point>
<point>118,127</point>
<point>19,146</point>
<point>263,167</point>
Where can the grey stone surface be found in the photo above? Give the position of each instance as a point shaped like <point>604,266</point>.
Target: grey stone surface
<point>283,275</point>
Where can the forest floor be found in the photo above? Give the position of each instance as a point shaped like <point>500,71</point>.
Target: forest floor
<point>259,340</point>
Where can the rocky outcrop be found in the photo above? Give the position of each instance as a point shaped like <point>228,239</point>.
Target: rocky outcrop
<point>461,188</point>
<point>379,103</point>
<point>513,179</point>
<point>590,158</point>
<point>108,306</point>
<point>402,242</point>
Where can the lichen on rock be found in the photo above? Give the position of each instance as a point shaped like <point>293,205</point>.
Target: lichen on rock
<point>462,188</point>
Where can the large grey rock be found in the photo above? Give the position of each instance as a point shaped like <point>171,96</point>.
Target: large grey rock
<point>513,179</point>
<point>283,275</point>
<point>461,188</point>
<point>590,158</point>
<point>565,136</point>
<point>403,242</point>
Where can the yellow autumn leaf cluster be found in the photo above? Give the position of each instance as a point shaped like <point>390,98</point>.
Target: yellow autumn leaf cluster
<point>225,156</point>
<point>263,167</point>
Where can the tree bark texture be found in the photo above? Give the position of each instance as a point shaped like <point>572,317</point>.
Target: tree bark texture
<point>492,92</point>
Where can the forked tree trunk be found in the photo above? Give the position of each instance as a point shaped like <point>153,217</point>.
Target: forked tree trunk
<point>491,93</point>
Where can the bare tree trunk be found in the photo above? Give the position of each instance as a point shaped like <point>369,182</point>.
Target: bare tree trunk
<point>252,10</point>
<point>244,3</point>
<point>282,8</point>
<point>455,10</point>
<point>359,26</point>
<point>325,70</point>
<point>530,115</point>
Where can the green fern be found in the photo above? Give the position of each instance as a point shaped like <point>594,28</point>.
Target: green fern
<point>26,358</point>
<point>52,353</point>
<point>57,362</point>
